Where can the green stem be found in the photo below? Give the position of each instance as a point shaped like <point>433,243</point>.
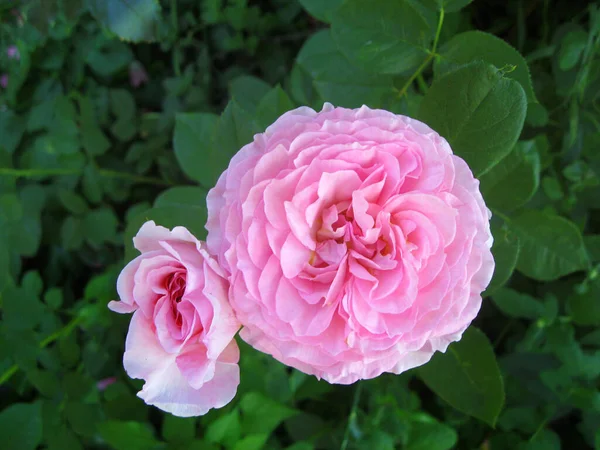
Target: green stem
<point>28,173</point>
<point>503,216</point>
<point>352,416</point>
<point>430,56</point>
<point>63,332</point>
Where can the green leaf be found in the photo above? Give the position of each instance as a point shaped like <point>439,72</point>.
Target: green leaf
<point>93,139</point>
<point>519,305</point>
<point>247,91</point>
<point>506,253</point>
<point>53,298</point>
<point>467,377</point>
<point>185,196</point>
<point>192,216</point>
<point>12,127</point>
<point>128,435</point>
<point>225,430</point>
<point>272,105</point>
<point>427,433</point>
<point>584,308</point>
<point>336,79</point>
<point>571,49</point>
<point>449,6</point>
<point>322,10</point>
<point>192,145</point>
<point>514,180</point>
<point>22,308</point>
<point>380,35</point>
<point>131,20</point>
<point>252,442</point>
<point>123,107</point>
<point>261,414</point>
<point>470,46</point>
<point>72,233</point>
<point>73,202</point>
<point>478,111</point>
<point>234,129</point>
<point>178,429</point>
<point>592,244</point>
<point>21,426</point>
<point>551,246</point>
<point>100,226</point>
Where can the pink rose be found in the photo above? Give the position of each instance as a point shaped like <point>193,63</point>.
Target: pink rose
<point>356,241</point>
<point>181,336</point>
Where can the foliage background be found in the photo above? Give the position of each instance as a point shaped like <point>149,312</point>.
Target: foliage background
<point>110,113</point>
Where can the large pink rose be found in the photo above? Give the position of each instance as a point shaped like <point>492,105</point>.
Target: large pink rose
<point>356,241</point>
<point>181,336</point>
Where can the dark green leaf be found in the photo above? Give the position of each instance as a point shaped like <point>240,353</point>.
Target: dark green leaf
<point>584,307</point>
<point>381,36</point>
<point>12,127</point>
<point>571,49</point>
<point>273,104</point>
<point>516,304</point>
<point>21,426</point>
<point>470,46</point>
<point>551,246</point>
<point>514,180</point>
<point>247,91</point>
<point>447,5</point>
<point>506,253</point>
<point>478,111</point>
<point>336,79</point>
<point>467,377</point>
<point>131,20</point>
<point>322,10</point>
<point>100,226</point>
<point>428,434</point>
<point>192,144</point>
<point>225,430</point>
<point>178,429</point>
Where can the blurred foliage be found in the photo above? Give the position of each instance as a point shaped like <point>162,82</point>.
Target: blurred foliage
<point>110,113</point>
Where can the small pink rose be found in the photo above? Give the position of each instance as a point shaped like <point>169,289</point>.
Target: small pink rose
<point>13,52</point>
<point>181,336</point>
<point>356,241</point>
<point>4,80</point>
<point>137,74</point>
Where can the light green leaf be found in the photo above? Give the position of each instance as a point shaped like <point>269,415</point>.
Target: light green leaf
<point>506,253</point>
<point>225,430</point>
<point>516,304</point>
<point>21,426</point>
<point>131,20</point>
<point>320,9</point>
<point>252,442</point>
<point>513,181</point>
<point>551,246</point>
<point>261,414</point>
<point>192,144</point>
<point>128,435</point>
<point>478,111</point>
<point>470,46</point>
<point>467,377</point>
<point>272,105</point>
<point>336,79</point>
<point>380,35</point>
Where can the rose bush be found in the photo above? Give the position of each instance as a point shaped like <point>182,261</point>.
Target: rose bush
<point>180,339</point>
<point>356,242</point>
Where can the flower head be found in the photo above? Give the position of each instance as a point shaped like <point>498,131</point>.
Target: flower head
<point>356,242</point>
<point>181,336</point>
